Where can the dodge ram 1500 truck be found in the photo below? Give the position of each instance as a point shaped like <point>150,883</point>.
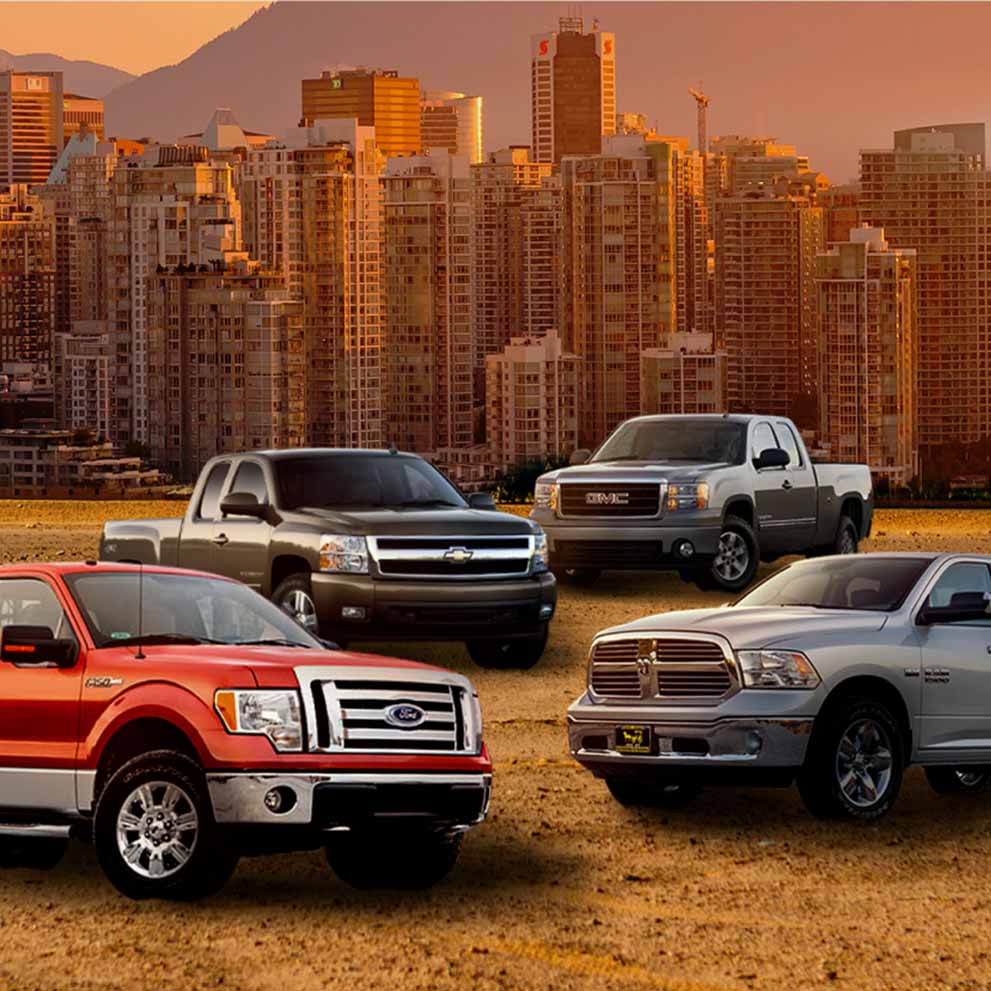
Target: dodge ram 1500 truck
<point>838,672</point>
<point>180,720</point>
<point>709,496</point>
<point>361,545</point>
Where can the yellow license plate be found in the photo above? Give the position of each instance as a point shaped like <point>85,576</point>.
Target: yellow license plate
<point>633,739</point>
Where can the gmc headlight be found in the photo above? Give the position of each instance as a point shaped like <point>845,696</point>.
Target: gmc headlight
<point>256,713</point>
<point>776,669</point>
<point>688,497</point>
<point>545,495</point>
<point>540,562</point>
<point>342,553</point>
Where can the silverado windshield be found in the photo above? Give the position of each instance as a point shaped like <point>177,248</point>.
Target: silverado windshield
<point>363,480</point>
<point>179,609</point>
<point>706,441</point>
<point>849,582</point>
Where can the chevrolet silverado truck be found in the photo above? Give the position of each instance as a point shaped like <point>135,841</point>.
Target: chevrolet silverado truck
<point>836,673</point>
<point>180,720</point>
<point>361,545</point>
<point>708,496</point>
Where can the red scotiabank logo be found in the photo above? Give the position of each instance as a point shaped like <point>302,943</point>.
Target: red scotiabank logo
<point>543,47</point>
<point>607,46</point>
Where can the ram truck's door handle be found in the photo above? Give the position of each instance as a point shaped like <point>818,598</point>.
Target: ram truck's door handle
<point>221,539</point>
<point>786,484</point>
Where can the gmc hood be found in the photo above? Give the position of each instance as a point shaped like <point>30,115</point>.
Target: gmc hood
<point>608,471</point>
<point>750,627</point>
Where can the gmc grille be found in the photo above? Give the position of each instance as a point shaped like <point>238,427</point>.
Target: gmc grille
<point>610,498</point>
<point>452,558</point>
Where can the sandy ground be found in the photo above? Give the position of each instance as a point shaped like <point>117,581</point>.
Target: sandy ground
<point>561,888</point>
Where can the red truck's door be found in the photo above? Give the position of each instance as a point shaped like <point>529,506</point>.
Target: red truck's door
<point>39,706</point>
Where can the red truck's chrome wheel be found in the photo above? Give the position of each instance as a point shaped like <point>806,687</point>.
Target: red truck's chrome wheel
<point>157,829</point>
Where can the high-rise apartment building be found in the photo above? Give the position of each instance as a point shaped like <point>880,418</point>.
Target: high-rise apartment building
<point>378,98</point>
<point>83,378</point>
<point>842,206</point>
<point>752,162</point>
<point>540,236</point>
<point>935,196</point>
<point>31,125</point>
<point>81,114</point>
<point>532,401</point>
<point>868,354</point>
<point>573,90</point>
<point>766,247</point>
<point>452,122</point>
<point>687,376</point>
<point>427,354</point>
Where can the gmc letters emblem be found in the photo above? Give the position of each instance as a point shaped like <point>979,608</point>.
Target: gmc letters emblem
<point>607,498</point>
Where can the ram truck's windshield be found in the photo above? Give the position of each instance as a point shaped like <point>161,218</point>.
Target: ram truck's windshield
<point>702,441</point>
<point>850,582</point>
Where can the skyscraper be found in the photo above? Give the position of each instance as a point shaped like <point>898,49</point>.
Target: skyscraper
<point>79,113</point>
<point>452,122</point>
<point>31,125</point>
<point>686,376</point>
<point>573,90</point>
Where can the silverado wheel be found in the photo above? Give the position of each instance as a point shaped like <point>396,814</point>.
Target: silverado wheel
<point>958,780</point>
<point>579,577</point>
<point>735,564</point>
<point>377,859</point>
<point>295,597</point>
<point>36,853</point>
<point>854,764</point>
<point>154,831</point>
<point>637,792</point>
<point>518,652</point>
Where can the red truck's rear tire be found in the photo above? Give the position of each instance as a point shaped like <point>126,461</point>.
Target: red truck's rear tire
<point>377,859</point>
<point>154,831</point>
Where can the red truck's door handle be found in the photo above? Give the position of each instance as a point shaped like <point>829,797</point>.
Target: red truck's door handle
<point>221,539</point>
<point>786,484</point>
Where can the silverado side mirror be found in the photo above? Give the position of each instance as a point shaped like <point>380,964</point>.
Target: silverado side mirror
<point>771,457</point>
<point>247,504</point>
<point>481,500</point>
<point>580,456</point>
<point>964,607</point>
<point>35,646</point>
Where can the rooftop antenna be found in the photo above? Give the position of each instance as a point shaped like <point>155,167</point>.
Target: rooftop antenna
<point>140,655</point>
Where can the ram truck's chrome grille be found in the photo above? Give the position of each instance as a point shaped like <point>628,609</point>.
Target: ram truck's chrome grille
<point>692,684</point>
<point>610,498</point>
<point>452,558</point>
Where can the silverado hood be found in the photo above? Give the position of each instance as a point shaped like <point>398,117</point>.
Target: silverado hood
<point>759,626</point>
<point>417,522</point>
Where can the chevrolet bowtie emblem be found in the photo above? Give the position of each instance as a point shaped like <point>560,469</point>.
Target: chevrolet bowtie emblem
<point>458,555</point>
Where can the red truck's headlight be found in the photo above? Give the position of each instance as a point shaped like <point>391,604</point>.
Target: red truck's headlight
<point>263,713</point>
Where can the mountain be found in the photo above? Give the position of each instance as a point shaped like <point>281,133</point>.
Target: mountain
<point>85,78</point>
<point>830,78</point>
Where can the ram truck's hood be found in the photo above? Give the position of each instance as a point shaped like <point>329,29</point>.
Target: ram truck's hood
<point>623,470</point>
<point>750,627</point>
<point>414,521</point>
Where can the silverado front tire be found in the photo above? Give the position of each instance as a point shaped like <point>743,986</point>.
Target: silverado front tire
<point>294,596</point>
<point>154,831</point>
<point>377,859</point>
<point>520,653</point>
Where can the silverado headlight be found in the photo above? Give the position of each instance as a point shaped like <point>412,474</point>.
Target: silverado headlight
<point>545,495</point>
<point>695,496</point>
<point>777,669</point>
<point>540,562</point>
<point>257,713</point>
<point>342,553</point>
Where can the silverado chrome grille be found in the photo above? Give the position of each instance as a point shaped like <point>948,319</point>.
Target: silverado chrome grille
<point>610,499</point>
<point>352,709</point>
<point>453,558</point>
<point>663,667</point>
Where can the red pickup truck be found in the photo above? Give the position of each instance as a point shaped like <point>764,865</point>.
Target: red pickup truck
<point>180,720</point>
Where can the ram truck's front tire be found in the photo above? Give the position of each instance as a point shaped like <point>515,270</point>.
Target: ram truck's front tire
<point>34,853</point>
<point>154,830</point>
<point>376,859</point>
<point>520,653</point>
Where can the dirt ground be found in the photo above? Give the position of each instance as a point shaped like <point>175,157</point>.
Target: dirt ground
<point>561,888</point>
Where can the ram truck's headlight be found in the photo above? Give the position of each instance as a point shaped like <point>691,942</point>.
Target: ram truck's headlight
<point>545,495</point>
<point>694,496</point>
<point>275,714</point>
<point>343,554</point>
<point>777,669</point>
<point>540,561</point>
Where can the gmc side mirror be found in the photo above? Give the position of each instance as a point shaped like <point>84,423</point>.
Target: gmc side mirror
<point>247,504</point>
<point>481,500</point>
<point>580,456</point>
<point>964,607</point>
<point>35,646</point>
<point>771,457</point>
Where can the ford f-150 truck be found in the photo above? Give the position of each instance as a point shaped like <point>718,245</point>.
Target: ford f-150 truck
<point>180,720</point>
<point>709,496</point>
<point>837,673</point>
<point>361,545</point>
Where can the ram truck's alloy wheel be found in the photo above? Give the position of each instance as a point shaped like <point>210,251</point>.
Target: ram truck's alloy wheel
<point>157,829</point>
<point>864,762</point>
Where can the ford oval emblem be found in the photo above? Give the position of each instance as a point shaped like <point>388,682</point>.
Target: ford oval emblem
<point>405,715</point>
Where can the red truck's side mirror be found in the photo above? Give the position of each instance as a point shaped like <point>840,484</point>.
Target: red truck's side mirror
<point>35,645</point>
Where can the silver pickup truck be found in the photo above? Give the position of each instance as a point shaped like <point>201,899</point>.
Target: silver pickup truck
<point>836,673</point>
<point>708,496</point>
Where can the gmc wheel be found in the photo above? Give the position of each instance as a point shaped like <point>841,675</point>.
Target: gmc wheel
<point>737,557</point>
<point>374,859</point>
<point>579,577</point>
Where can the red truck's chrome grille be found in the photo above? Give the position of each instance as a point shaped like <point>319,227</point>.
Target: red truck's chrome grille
<point>610,498</point>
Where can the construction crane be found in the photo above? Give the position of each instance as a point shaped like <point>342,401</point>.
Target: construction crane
<point>702,105</point>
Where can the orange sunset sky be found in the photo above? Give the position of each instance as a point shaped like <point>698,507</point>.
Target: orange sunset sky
<point>135,37</point>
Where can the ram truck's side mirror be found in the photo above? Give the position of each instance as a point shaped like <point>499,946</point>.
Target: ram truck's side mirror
<point>580,457</point>
<point>247,504</point>
<point>481,500</point>
<point>964,607</point>
<point>35,646</point>
<point>771,457</point>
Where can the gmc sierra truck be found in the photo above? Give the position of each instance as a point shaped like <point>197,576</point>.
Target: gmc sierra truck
<point>708,496</point>
<point>836,673</point>
<point>180,720</point>
<point>361,545</point>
